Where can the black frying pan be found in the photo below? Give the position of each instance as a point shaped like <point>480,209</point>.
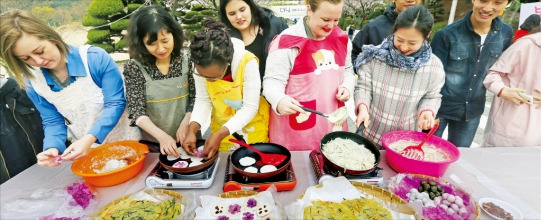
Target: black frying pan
<point>168,164</point>
<point>354,137</point>
<point>265,148</point>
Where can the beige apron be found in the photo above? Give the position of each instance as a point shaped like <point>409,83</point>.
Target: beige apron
<point>166,100</point>
<point>81,103</point>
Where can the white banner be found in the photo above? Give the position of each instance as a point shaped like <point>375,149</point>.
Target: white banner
<point>293,12</point>
<point>526,9</point>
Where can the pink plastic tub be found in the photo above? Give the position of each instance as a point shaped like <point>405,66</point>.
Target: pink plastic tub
<point>403,164</point>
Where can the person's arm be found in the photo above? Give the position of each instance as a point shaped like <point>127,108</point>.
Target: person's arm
<point>279,65</point>
<point>250,98</point>
<point>106,75</point>
<point>440,47</point>
<point>431,101</point>
<point>358,41</point>
<point>202,106</point>
<point>54,127</point>
<point>349,75</point>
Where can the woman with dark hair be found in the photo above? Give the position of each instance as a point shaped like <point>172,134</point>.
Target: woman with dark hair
<point>399,80</point>
<point>160,90</point>
<point>77,90</point>
<point>254,25</point>
<point>227,84</point>
<point>526,27</point>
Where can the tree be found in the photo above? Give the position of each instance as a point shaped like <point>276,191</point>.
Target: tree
<point>436,9</point>
<point>360,12</point>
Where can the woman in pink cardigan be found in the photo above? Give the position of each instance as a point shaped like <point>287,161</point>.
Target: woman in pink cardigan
<point>513,120</point>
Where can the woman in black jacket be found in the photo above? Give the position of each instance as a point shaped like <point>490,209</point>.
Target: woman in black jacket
<point>21,132</point>
<point>254,25</point>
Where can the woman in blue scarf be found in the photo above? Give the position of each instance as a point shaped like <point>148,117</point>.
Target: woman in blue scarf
<point>400,79</point>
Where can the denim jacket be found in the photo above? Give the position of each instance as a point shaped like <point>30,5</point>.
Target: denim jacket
<point>466,65</point>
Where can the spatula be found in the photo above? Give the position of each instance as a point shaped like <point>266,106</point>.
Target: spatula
<point>338,116</point>
<point>416,152</point>
<point>270,159</point>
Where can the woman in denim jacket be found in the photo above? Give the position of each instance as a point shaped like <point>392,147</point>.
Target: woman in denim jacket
<point>467,49</point>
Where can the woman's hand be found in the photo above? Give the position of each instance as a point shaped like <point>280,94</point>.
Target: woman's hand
<point>426,120</point>
<point>168,145</point>
<point>362,116</point>
<point>189,144</point>
<point>79,148</point>
<point>537,99</point>
<point>511,94</point>
<point>182,130</point>
<point>46,158</point>
<point>288,106</point>
<point>342,94</point>
<point>212,144</point>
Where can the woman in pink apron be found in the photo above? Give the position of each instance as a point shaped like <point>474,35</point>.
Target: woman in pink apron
<point>227,87</point>
<point>308,65</point>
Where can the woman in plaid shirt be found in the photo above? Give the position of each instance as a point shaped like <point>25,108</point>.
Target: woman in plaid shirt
<point>399,80</point>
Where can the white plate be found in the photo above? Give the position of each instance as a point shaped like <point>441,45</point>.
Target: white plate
<point>504,205</point>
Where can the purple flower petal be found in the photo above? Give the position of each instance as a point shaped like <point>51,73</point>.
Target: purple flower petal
<point>251,203</point>
<point>234,209</point>
<point>223,217</point>
<point>247,216</point>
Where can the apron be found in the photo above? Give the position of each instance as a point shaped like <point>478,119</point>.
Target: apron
<point>317,73</point>
<point>226,98</point>
<point>81,104</point>
<point>166,100</point>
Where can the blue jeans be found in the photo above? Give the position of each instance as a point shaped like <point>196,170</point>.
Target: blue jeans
<point>460,133</point>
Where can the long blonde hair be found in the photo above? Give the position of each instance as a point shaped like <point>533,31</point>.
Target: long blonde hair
<point>13,25</point>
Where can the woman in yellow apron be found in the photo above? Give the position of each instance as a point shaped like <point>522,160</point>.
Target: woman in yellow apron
<point>228,87</point>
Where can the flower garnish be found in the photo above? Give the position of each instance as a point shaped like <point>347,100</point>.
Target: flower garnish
<point>234,209</point>
<point>223,217</point>
<point>247,216</point>
<point>180,164</point>
<point>58,160</point>
<point>81,194</point>
<point>199,153</point>
<point>251,203</point>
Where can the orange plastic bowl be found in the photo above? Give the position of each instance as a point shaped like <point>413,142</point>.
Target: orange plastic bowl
<point>132,151</point>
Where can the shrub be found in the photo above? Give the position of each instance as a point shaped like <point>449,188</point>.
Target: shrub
<point>90,21</point>
<point>108,48</point>
<point>120,25</point>
<point>96,36</point>
<point>105,8</point>
<point>437,26</point>
<point>208,12</point>
<point>133,7</point>
<point>120,45</point>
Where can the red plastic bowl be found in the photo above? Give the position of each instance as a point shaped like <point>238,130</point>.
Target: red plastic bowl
<point>403,164</point>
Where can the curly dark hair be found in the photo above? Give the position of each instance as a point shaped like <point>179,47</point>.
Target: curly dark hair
<point>151,20</point>
<point>212,44</point>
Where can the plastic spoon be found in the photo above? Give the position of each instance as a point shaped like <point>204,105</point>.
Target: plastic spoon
<point>271,159</point>
<point>416,152</point>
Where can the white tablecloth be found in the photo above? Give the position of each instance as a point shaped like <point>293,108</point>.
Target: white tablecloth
<point>509,174</point>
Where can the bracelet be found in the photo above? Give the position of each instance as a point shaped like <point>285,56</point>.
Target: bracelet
<point>501,90</point>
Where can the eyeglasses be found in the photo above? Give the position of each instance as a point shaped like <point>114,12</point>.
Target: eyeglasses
<point>214,78</point>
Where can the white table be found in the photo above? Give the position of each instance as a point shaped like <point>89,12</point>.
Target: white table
<point>509,174</point>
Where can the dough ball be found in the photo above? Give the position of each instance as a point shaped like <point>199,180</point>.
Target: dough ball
<point>268,168</point>
<point>246,161</point>
<point>251,169</point>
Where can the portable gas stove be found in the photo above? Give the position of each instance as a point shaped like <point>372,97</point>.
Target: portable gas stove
<point>160,177</point>
<point>233,181</point>
<point>324,171</point>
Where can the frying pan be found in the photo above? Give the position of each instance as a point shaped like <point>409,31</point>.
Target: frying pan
<point>356,138</point>
<point>168,164</point>
<point>265,148</point>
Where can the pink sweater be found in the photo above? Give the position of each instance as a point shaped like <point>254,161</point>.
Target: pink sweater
<point>518,67</point>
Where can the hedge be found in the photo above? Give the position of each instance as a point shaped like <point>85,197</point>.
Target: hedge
<point>208,12</point>
<point>133,7</point>
<point>98,35</point>
<point>121,44</point>
<point>108,48</point>
<point>105,8</point>
<point>120,25</point>
<point>91,21</point>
